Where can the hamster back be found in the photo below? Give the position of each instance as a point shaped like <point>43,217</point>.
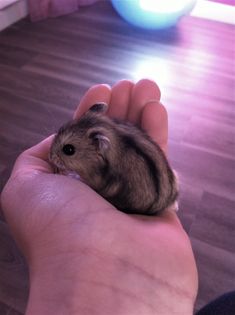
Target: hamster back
<point>118,160</point>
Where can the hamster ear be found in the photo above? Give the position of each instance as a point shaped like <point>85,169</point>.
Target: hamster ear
<point>99,108</point>
<point>100,141</point>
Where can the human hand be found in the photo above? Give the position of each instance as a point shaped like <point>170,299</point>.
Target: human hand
<point>84,253</point>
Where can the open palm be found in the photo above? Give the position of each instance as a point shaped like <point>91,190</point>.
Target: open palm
<point>57,220</point>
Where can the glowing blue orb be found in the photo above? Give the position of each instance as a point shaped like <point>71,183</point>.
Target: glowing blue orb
<point>153,14</point>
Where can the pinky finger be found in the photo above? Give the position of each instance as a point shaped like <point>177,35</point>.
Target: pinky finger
<point>154,121</point>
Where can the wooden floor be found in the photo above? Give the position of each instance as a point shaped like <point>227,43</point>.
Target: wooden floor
<point>46,67</point>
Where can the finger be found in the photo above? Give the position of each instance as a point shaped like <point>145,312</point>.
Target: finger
<point>120,99</point>
<point>97,93</point>
<point>41,150</point>
<point>34,159</point>
<point>154,121</point>
<point>145,90</point>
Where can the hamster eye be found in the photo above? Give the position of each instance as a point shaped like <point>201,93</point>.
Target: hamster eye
<point>68,149</point>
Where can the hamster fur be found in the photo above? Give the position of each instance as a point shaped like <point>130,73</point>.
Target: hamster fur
<point>116,159</point>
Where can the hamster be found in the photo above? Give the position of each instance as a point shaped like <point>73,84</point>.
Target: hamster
<point>116,159</point>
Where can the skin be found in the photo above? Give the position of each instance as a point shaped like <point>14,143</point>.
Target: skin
<point>84,256</point>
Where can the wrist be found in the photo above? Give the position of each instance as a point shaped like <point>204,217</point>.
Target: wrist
<point>84,283</point>
<point>93,283</point>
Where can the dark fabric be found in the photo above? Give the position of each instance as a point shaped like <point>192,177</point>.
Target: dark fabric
<point>224,305</point>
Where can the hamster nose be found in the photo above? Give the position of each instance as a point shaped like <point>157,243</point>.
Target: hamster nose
<point>50,156</point>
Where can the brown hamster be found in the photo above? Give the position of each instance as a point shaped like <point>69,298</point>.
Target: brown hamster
<point>117,159</point>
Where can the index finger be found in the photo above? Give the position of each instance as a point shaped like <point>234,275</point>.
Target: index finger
<point>97,93</point>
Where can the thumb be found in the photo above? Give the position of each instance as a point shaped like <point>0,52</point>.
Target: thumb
<point>34,159</point>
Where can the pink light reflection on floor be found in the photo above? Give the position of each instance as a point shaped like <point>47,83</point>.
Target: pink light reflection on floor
<point>214,11</point>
